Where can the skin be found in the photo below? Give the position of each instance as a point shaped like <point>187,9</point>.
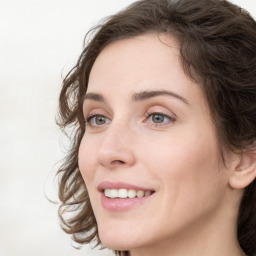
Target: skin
<point>194,209</point>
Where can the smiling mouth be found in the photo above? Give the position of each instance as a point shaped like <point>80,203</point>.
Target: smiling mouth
<point>126,193</point>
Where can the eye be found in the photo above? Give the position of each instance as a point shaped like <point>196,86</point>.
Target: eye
<point>97,120</point>
<point>159,118</point>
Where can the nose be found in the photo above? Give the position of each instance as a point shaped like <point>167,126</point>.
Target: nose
<point>116,147</point>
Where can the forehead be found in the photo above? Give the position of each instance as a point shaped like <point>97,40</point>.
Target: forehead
<point>146,62</point>
<point>132,58</point>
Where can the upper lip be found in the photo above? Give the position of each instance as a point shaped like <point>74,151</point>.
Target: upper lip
<point>118,185</point>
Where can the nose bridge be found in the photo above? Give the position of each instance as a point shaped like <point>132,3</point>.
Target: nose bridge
<point>116,147</point>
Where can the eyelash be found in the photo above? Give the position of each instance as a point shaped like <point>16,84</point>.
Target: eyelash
<point>147,115</point>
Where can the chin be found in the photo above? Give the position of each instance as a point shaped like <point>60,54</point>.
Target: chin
<point>116,244</point>
<point>118,241</point>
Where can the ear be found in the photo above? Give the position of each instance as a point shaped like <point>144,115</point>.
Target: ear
<point>244,172</point>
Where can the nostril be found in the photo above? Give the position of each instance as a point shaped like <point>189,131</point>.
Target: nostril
<point>118,162</point>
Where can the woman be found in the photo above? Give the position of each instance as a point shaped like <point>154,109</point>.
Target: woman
<point>163,160</point>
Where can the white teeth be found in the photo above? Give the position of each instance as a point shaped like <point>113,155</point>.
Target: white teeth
<point>140,193</point>
<point>107,192</point>
<point>124,193</point>
<point>113,193</point>
<point>131,193</point>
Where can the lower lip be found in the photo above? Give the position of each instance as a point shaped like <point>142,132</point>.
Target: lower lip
<point>119,204</point>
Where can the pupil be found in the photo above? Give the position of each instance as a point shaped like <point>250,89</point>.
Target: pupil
<point>158,118</point>
<point>100,120</point>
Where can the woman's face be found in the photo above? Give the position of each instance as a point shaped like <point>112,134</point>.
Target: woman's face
<point>149,156</point>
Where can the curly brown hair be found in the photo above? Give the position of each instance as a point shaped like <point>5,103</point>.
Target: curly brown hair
<point>217,50</point>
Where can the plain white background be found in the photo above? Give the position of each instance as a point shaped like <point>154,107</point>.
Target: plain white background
<point>40,41</point>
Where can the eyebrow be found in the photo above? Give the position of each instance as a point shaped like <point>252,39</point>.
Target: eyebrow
<point>144,95</point>
<point>94,96</point>
<point>138,96</point>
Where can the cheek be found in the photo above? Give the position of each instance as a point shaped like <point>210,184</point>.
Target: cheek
<point>86,161</point>
<point>189,171</point>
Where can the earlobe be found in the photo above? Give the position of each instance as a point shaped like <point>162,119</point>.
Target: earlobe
<point>244,172</point>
